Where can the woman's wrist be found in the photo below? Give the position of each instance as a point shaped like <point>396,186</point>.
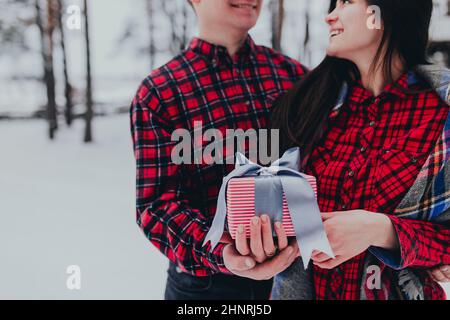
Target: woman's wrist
<point>385,235</point>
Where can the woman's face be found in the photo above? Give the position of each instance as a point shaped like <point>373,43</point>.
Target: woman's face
<point>350,34</point>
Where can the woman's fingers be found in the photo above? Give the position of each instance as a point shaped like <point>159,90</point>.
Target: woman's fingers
<point>267,237</point>
<point>320,257</point>
<point>256,244</point>
<point>446,272</point>
<point>281,235</point>
<point>440,274</point>
<point>437,275</point>
<point>241,241</point>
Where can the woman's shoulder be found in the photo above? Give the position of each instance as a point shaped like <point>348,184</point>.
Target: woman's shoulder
<point>438,78</point>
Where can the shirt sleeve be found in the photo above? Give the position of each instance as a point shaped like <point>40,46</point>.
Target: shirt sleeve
<point>422,244</point>
<point>163,210</point>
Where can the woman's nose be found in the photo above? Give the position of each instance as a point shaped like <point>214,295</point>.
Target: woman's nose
<point>331,17</point>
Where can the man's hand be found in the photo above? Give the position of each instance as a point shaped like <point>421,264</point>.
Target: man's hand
<point>440,274</point>
<point>257,257</point>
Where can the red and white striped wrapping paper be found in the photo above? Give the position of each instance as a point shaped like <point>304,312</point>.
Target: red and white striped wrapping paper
<point>241,205</point>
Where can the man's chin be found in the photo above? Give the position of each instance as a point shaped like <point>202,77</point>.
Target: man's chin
<point>244,26</point>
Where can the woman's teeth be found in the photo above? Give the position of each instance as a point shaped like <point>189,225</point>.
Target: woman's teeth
<point>336,33</point>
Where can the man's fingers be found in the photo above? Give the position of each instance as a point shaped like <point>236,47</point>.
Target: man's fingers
<point>281,261</point>
<point>269,268</point>
<point>256,245</point>
<point>267,236</point>
<point>235,262</point>
<point>241,241</point>
<point>281,235</point>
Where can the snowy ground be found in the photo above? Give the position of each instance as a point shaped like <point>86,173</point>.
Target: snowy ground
<point>65,203</point>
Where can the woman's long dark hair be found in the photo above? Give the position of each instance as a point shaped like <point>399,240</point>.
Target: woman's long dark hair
<point>301,114</point>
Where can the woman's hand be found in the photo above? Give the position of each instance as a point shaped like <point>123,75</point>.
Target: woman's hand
<point>257,257</point>
<point>352,232</point>
<point>261,245</point>
<point>440,274</point>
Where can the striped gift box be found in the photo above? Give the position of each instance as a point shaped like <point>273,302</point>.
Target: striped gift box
<point>241,205</point>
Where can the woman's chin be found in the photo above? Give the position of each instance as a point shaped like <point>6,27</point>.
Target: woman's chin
<point>335,52</point>
<point>332,52</point>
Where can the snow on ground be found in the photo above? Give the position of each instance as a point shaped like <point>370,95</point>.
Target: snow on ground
<point>65,203</point>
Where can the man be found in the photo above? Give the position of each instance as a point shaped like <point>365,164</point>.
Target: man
<point>224,81</point>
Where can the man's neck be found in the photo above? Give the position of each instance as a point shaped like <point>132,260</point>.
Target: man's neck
<point>232,41</point>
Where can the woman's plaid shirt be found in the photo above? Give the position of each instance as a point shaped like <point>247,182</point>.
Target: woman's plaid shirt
<point>175,204</point>
<point>369,159</point>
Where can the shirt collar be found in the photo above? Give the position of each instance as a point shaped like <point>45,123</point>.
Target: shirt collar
<point>361,96</point>
<point>215,53</point>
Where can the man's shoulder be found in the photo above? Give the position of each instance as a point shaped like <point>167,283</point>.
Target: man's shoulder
<point>163,81</point>
<point>266,54</point>
<point>176,68</point>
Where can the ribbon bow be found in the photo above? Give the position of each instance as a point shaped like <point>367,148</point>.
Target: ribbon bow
<point>270,182</point>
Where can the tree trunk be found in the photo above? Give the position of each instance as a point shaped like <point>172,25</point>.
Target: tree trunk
<point>89,102</point>
<point>307,56</point>
<point>184,36</point>
<point>277,9</point>
<point>46,33</point>
<point>151,28</point>
<point>171,13</point>
<point>67,87</point>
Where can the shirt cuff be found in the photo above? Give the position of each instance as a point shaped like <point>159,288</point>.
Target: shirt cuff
<point>215,259</point>
<point>404,256</point>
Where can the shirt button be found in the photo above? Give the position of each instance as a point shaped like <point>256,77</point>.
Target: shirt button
<point>214,62</point>
<point>363,149</point>
<point>413,160</point>
<point>247,103</point>
<point>344,206</point>
<point>372,123</point>
<point>351,173</point>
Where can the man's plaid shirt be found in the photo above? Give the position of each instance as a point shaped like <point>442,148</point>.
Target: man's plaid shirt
<point>175,204</point>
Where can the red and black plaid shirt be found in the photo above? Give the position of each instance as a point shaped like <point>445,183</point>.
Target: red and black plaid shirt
<point>369,158</point>
<point>176,203</point>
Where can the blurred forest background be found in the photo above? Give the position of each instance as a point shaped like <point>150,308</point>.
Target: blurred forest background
<point>68,72</point>
<point>63,60</point>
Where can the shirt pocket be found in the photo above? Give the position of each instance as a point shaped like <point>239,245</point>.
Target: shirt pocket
<point>395,171</point>
<point>319,161</point>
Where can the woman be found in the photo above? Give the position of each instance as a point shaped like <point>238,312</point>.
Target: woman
<point>379,155</point>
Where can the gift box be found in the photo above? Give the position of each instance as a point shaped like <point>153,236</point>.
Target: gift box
<point>240,199</point>
<point>282,192</point>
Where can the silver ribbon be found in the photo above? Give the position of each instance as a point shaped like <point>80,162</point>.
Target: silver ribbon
<point>270,182</point>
